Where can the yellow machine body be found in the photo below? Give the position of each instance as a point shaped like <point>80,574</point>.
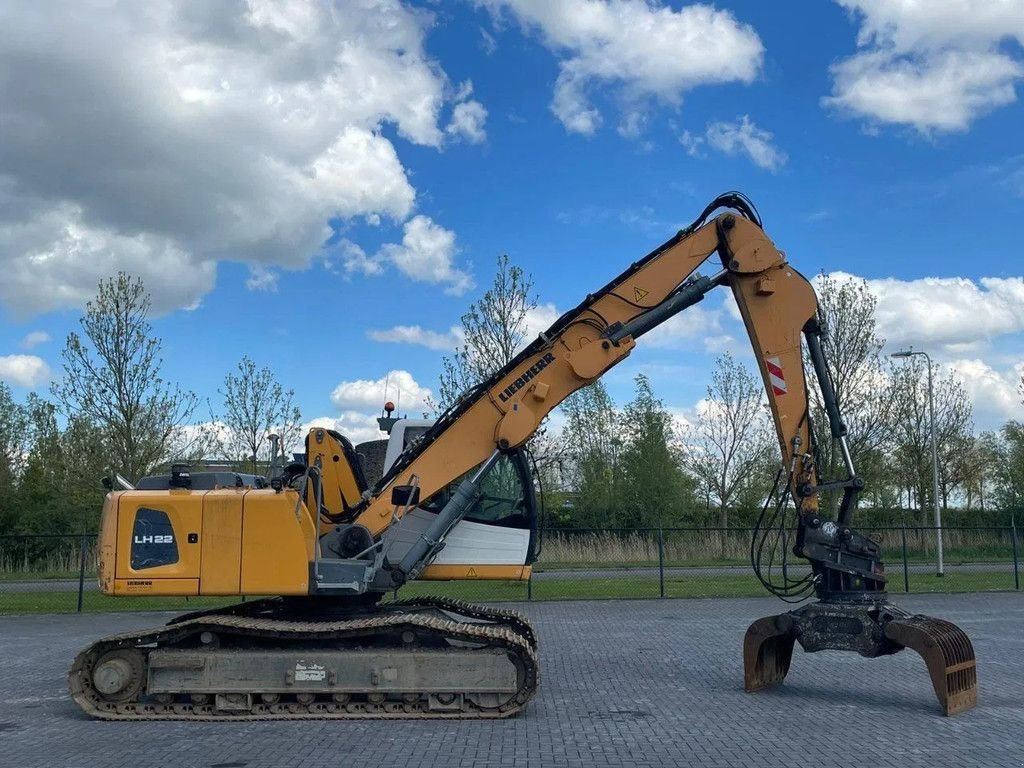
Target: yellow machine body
<point>227,542</point>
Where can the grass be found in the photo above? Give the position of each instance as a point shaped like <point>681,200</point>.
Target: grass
<point>597,550</point>
<point>95,602</point>
<point>730,585</point>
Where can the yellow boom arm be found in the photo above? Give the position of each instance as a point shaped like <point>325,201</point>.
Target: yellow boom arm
<point>775,301</point>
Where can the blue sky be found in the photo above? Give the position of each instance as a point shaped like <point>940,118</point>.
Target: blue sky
<point>295,181</point>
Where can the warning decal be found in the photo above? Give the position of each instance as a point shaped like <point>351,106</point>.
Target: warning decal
<point>639,293</point>
<point>775,375</point>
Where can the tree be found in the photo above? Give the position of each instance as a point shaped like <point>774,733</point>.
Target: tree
<point>980,465</point>
<point>728,444</point>
<point>655,491</point>
<point>494,330</point>
<point>255,404</point>
<point>592,440</point>
<point>14,429</point>
<point>41,490</point>
<point>853,350</point>
<point>912,423</point>
<point>85,461</point>
<point>112,380</point>
<point>1009,475</point>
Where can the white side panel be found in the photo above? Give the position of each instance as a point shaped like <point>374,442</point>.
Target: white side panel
<point>469,543</point>
<point>397,441</point>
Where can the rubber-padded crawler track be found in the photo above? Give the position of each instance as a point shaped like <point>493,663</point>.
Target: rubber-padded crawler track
<point>393,618</point>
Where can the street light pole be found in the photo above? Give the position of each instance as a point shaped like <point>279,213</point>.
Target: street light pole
<point>935,453</point>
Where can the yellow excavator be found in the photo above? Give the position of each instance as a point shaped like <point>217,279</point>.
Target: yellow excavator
<point>457,502</point>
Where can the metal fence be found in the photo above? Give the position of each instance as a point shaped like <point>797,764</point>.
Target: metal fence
<point>57,574</point>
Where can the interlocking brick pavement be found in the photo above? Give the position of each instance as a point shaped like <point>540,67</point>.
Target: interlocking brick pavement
<point>635,683</point>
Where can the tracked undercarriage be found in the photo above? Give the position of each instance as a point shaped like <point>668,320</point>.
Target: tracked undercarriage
<point>423,658</point>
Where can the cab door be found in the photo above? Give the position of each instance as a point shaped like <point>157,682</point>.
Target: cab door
<point>159,551</point>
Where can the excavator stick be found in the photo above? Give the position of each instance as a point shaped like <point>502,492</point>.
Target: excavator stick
<point>870,629</point>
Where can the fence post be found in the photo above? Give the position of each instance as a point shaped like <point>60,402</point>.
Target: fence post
<point>661,562</point>
<point>81,570</point>
<point>1016,557</point>
<point>906,571</point>
<point>529,587</point>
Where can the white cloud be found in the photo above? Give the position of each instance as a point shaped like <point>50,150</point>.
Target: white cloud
<point>426,254</point>
<point>539,319</point>
<point>934,66</point>
<point>370,395</point>
<point>680,331</point>
<point>467,122</point>
<point>946,311</point>
<point>357,426</point>
<point>261,279</point>
<point>34,339</point>
<point>642,50</point>
<point>354,259</point>
<point>24,370</point>
<point>993,393</point>
<point>224,131</point>
<point>468,116</point>
<point>744,137</point>
<point>415,334</point>
<point>691,143</point>
<point>487,42</point>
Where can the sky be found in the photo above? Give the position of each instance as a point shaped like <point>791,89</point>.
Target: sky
<point>327,187</point>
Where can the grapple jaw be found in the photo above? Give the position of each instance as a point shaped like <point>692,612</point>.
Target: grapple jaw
<point>871,629</point>
<point>948,652</point>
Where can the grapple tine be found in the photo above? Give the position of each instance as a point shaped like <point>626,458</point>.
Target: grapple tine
<point>767,652</point>
<point>949,655</point>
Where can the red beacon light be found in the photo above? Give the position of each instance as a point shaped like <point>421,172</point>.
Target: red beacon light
<point>389,407</point>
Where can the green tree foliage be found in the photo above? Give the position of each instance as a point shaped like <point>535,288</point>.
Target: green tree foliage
<point>1008,450</point>
<point>653,490</point>
<point>729,443</point>
<point>493,331</point>
<point>954,428</point>
<point>591,440</point>
<point>58,488</point>
<point>254,405</point>
<point>14,426</point>
<point>853,349</point>
<point>112,379</point>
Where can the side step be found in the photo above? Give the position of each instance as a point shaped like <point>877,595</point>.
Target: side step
<point>870,629</point>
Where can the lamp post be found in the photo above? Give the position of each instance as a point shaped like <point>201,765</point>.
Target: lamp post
<point>935,451</point>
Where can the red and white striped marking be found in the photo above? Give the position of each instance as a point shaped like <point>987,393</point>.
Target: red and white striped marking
<point>775,375</point>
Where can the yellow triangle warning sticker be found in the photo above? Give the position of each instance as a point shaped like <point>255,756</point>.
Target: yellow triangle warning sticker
<point>639,293</point>
<point>471,573</point>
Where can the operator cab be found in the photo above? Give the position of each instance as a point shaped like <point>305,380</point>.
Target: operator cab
<point>501,528</point>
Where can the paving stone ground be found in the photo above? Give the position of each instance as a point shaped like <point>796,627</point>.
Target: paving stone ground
<point>633,683</point>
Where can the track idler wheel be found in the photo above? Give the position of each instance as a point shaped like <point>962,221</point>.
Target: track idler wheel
<point>949,655</point>
<point>870,629</point>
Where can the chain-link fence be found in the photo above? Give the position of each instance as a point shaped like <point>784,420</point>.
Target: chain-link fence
<point>58,573</point>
